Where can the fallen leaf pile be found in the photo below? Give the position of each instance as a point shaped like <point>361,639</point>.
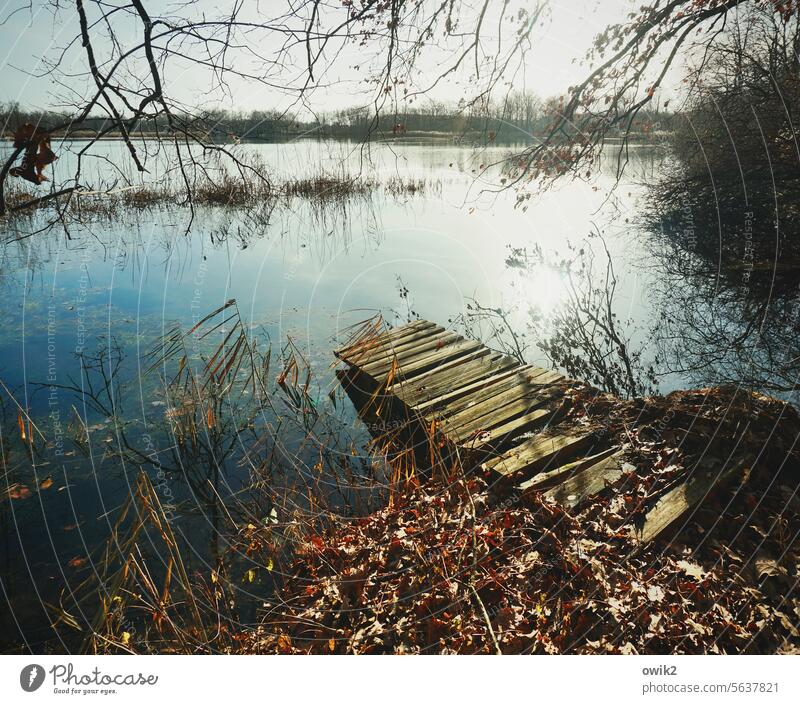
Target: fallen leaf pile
<point>467,569</point>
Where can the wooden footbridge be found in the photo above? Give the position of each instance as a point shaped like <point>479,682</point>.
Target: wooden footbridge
<point>492,408</point>
<point>422,381</point>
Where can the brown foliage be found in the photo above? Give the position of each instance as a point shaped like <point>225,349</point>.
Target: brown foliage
<point>37,155</point>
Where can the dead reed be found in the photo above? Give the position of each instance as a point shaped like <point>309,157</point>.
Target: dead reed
<point>224,190</point>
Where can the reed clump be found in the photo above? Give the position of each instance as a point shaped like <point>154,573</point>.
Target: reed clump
<point>223,190</point>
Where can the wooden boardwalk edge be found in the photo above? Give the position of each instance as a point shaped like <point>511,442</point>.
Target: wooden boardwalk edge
<point>501,413</point>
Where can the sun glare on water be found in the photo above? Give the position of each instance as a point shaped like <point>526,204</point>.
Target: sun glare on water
<point>540,288</point>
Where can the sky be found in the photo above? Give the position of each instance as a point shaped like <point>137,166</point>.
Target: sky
<point>29,38</point>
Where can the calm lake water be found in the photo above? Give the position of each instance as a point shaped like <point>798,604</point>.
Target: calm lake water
<point>307,274</point>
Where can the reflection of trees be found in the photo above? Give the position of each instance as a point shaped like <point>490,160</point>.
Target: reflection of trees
<point>583,336</point>
<point>715,326</point>
<point>727,213</point>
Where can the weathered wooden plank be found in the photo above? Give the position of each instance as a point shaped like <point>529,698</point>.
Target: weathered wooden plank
<point>448,394</point>
<point>498,437</point>
<point>494,401</point>
<point>495,437</point>
<point>539,452</point>
<point>549,376</point>
<point>447,353</point>
<point>533,378</point>
<point>383,337</point>
<point>524,376</point>
<point>488,422</point>
<point>393,348</point>
<point>551,478</point>
<point>589,481</point>
<point>400,386</point>
<point>415,337</point>
<point>407,354</point>
<point>451,381</point>
<point>494,411</point>
<point>688,496</point>
<point>359,349</point>
<point>446,380</point>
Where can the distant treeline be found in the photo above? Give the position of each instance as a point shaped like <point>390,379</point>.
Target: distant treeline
<point>521,117</point>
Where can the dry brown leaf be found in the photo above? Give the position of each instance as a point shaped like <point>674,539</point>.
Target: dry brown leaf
<point>692,569</point>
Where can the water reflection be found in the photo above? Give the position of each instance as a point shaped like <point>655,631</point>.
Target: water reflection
<point>726,280</point>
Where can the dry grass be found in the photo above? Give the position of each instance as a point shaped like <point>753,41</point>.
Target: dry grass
<point>225,190</point>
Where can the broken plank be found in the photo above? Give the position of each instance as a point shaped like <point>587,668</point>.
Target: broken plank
<point>495,437</point>
<point>589,481</point>
<point>539,452</point>
<point>688,496</point>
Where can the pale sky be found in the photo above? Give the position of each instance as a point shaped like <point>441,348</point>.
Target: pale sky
<point>30,37</point>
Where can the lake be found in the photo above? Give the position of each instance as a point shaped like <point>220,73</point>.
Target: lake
<point>305,273</point>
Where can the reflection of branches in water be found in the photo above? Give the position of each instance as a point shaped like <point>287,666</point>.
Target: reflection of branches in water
<point>743,234</point>
<point>492,327</point>
<point>583,335</point>
<point>403,292</point>
<point>725,217</point>
<point>717,329</point>
<point>589,340</point>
